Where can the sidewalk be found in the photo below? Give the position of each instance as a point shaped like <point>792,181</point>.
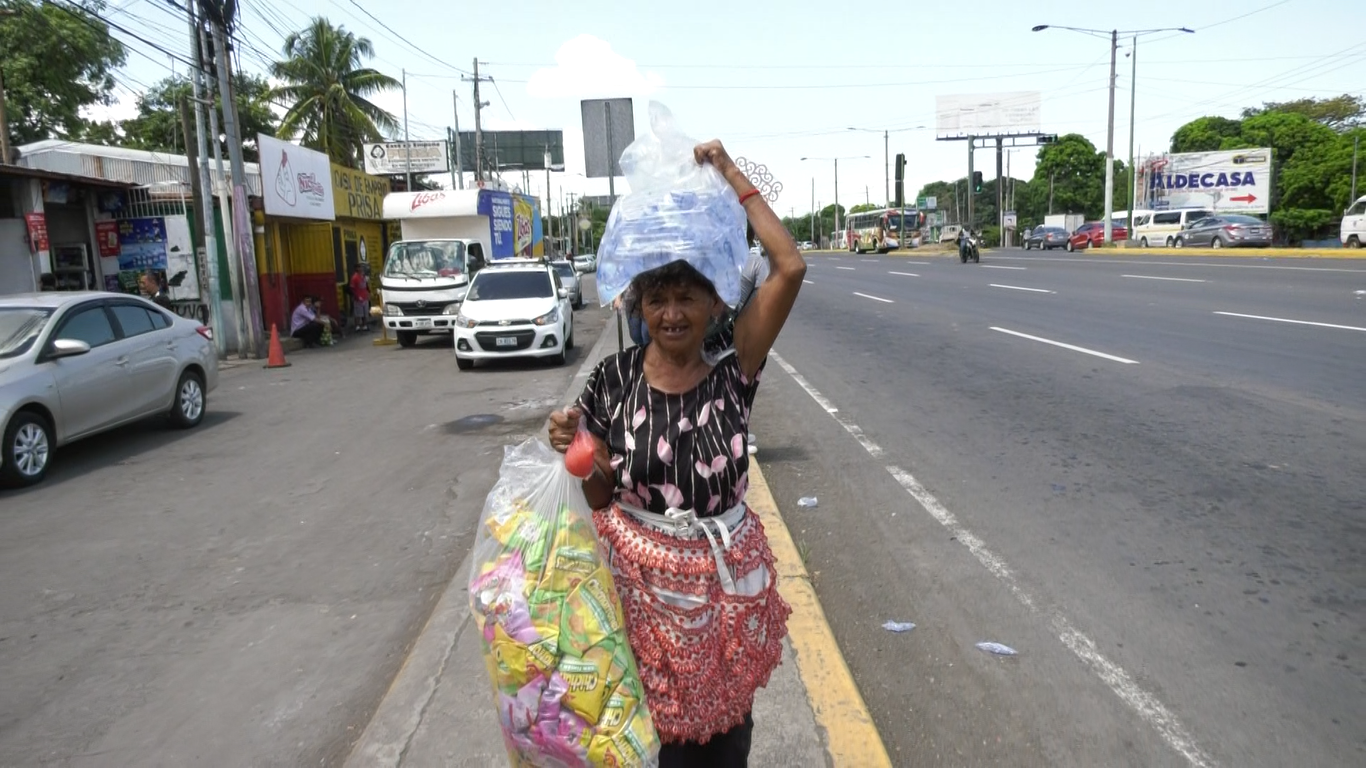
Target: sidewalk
<point>439,711</point>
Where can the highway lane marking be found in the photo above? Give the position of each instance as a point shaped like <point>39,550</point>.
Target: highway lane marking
<point>921,263</point>
<point>1173,279</point>
<point>874,261</point>
<point>1296,322</point>
<point>1072,347</point>
<point>850,269</point>
<point>1109,260</point>
<point>1018,288</point>
<point>1148,707</point>
<point>874,298</point>
<point>1000,266</point>
<point>808,282</point>
<point>903,274</point>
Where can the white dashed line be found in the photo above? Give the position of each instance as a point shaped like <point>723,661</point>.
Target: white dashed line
<point>1148,706</point>
<point>1296,322</point>
<point>1074,348</point>
<point>999,266</point>
<point>1019,288</point>
<point>874,298</point>
<point>904,274</point>
<point>808,282</point>
<point>1173,279</point>
<point>874,261</point>
<point>848,269</point>
<point>921,263</point>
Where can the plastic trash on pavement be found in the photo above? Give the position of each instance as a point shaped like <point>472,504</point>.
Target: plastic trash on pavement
<point>676,210</point>
<point>898,626</point>
<point>806,501</point>
<point>997,648</point>
<point>566,684</point>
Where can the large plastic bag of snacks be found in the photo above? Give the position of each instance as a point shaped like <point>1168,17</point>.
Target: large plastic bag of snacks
<point>565,681</point>
<point>676,210</point>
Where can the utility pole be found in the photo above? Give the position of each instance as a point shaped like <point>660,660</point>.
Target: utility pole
<point>1110,146</point>
<point>478,124</point>
<point>1050,191</point>
<point>1133,103</point>
<point>837,195</point>
<point>886,171</point>
<point>1356,141</point>
<point>459,163</point>
<point>205,201</point>
<point>814,239</point>
<point>4,121</point>
<point>971,193</point>
<point>242,229</point>
<point>611,163</point>
<point>1000,194</point>
<point>407,147</point>
<point>196,194</point>
<point>222,192</point>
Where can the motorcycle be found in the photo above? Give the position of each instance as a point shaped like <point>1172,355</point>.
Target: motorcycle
<point>968,248</point>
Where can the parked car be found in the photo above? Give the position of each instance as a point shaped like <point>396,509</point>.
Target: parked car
<point>1162,227</point>
<point>76,364</point>
<point>1092,235</point>
<point>569,278</point>
<point>1226,230</point>
<point>514,308</point>
<point>586,262</point>
<point>1352,232</point>
<point>1046,238</point>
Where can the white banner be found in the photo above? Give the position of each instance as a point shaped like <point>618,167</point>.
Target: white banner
<point>1236,181</point>
<point>397,157</point>
<point>987,114</point>
<point>295,181</point>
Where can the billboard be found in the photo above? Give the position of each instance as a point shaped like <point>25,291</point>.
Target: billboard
<point>522,150</point>
<point>595,120</point>
<point>987,114</point>
<point>295,182</point>
<point>1236,181</point>
<point>392,158</point>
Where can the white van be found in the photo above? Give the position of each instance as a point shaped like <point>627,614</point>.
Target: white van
<point>1353,233</point>
<point>1162,227</point>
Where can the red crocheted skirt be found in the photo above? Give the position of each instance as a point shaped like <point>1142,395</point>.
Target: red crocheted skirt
<point>702,653</point>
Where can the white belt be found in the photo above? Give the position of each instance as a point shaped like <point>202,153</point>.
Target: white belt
<point>685,522</point>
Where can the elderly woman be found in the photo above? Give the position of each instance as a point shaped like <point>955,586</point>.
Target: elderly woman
<point>691,561</point>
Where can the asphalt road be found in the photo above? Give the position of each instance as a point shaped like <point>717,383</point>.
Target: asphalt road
<point>243,593</point>
<point>1166,518</point>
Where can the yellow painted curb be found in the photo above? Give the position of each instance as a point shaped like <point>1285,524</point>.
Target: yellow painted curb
<point>852,741</point>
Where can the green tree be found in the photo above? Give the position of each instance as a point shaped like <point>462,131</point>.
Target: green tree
<point>1207,134</point>
<point>157,128</point>
<point>1341,113</point>
<point>861,207</point>
<point>329,91</point>
<point>57,60</point>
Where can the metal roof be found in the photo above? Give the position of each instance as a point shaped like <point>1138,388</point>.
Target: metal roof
<point>130,166</point>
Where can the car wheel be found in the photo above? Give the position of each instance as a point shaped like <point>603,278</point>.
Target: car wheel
<point>28,448</point>
<point>569,337</point>
<point>407,338</point>
<point>188,409</point>
<point>1071,248</point>
<point>578,303</point>
<point>1354,242</point>
<point>1026,245</point>
<point>1170,243</point>
<point>1142,242</point>
<point>463,363</point>
<point>1217,242</point>
<point>1178,243</point>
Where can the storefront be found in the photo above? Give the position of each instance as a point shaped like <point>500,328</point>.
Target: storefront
<point>311,247</point>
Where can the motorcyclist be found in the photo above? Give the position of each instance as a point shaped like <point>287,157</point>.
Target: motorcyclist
<point>964,244</point>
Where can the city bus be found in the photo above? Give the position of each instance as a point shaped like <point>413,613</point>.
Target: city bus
<point>879,230</point>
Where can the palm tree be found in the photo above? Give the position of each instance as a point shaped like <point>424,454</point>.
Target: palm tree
<point>329,89</point>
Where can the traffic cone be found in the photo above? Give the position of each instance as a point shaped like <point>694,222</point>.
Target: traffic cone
<point>276,358</point>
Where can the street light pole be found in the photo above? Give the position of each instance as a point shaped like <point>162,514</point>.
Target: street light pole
<point>1110,122</point>
<point>837,180</point>
<point>1133,104</point>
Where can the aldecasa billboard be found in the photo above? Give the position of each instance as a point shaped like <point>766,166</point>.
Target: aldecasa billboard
<point>1237,181</point>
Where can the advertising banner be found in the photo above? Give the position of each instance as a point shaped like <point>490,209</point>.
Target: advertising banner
<point>498,207</point>
<point>392,158</point>
<point>142,244</point>
<point>37,230</point>
<point>1237,181</point>
<point>358,195</point>
<point>522,218</point>
<point>295,182</point>
<point>987,114</point>
<point>107,238</point>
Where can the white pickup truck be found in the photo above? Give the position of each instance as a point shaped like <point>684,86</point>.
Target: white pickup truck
<point>1353,232</point>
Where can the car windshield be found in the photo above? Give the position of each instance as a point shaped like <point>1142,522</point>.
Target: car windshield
<point>563,268</point>
<point>493,285</point>
<point>1239,219</point>
<point>425,258</point>
<point>19,328</point>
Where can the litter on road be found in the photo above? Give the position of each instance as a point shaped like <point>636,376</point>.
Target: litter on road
<point>997,648</point>
<point>898,626</point>
<point>806,501</point>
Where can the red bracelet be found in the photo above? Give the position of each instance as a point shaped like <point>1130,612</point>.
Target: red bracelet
<point>748,195</point>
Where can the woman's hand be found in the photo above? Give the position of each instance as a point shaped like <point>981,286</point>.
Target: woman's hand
<point>712,152</point>
<point>563,425</point>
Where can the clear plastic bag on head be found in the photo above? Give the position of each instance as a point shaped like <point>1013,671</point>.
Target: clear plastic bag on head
<point>677,210</point>
<point>566,684</point>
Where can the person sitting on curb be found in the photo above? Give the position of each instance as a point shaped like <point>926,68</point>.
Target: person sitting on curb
<point>305,325</point>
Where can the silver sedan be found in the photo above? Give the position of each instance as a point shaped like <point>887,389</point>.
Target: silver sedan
<point>75,364</point>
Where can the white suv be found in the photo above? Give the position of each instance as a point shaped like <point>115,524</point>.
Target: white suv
<point>514,309</point>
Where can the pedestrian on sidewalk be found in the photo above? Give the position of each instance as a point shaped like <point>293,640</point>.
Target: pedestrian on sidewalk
<point>691,561</point>
<point>360,299</point>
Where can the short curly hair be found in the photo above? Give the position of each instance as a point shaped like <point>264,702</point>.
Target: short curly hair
<point>675,273</point>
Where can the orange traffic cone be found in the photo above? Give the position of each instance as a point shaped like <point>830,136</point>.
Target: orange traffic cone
<point>276,358</point>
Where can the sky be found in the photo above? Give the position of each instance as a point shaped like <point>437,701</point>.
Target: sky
<point>781,80</point>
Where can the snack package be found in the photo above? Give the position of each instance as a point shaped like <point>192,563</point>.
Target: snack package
<point>566,685</point>
<point>677,210</point>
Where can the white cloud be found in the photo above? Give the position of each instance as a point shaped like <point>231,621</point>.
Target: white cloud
<point>587,67</point>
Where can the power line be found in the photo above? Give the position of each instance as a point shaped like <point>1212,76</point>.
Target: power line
<point>410,43</point>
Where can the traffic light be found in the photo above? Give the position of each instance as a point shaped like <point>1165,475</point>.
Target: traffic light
<point>900,180</point>
<point>1049,139</point>
<point>976,181</point>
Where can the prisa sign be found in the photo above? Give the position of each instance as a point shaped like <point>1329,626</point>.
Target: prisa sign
<point>1226,182</point>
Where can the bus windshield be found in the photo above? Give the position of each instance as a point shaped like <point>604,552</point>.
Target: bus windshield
<point>425,259</point>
